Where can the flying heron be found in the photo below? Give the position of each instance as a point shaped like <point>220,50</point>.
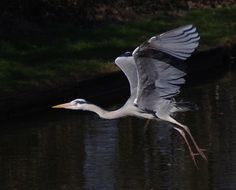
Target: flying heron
<point>155,70</point>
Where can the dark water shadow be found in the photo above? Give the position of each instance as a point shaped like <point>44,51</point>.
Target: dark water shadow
<point>77,150</point>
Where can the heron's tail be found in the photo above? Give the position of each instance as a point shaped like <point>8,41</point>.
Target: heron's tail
<point>185,106</point>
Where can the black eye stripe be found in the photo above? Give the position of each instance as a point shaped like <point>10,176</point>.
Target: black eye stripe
<point>127,54</point>
<point>80,102</point>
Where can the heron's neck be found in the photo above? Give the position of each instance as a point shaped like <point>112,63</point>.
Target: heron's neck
<point>104,113</point>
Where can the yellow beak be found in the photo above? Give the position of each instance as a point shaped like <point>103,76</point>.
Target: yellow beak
<point>65,105</point>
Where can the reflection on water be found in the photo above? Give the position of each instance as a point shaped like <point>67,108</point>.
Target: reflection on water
<point>74,150</point>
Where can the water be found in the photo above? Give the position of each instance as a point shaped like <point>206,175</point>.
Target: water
<point>68,150</point>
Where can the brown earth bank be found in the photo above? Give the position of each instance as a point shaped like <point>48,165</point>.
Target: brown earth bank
<point>113,87</point>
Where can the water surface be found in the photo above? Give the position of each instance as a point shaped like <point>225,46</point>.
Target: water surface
<point>68,150</point>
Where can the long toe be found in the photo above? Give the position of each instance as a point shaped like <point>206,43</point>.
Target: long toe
<point>194,160</point>
<point>201,153</point>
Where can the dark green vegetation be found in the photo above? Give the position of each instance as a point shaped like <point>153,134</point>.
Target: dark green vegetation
<point>42,56</point>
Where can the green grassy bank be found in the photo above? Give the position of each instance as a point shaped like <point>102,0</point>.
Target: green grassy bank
<point>42,56</point>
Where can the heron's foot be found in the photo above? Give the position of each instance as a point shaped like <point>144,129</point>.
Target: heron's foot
<point>193,155</point>
<point>200,152</point>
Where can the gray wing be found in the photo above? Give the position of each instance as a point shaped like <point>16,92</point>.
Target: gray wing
<point>160,66</point>
<point>180,42</point>
<point>127,65</point>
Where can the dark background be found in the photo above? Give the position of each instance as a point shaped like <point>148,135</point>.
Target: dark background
<point>95,10</point>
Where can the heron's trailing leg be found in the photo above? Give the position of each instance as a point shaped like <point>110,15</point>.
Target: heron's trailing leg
<point>182,133</point>
<point>200,151</point>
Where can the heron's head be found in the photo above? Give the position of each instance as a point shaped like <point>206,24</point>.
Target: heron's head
<point>77,104</point>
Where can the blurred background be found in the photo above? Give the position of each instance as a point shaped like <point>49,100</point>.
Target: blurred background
<point>53,51</point>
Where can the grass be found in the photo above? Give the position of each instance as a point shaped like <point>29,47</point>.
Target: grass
<point>49,55</point>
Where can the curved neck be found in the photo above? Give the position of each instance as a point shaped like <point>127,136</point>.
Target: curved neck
<point>104,113</point>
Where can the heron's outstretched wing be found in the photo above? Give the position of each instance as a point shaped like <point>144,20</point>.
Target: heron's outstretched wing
<point>160,66</point>
<point>127,65</point>
<point>180,42</point>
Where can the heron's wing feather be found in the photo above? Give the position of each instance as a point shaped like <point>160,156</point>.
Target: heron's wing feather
<point>180,42</point>
<point>159,77</point>
<point>127,65</point>
<point>160,66</point>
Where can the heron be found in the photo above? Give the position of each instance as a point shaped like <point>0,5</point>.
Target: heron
<point>155,71</point>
